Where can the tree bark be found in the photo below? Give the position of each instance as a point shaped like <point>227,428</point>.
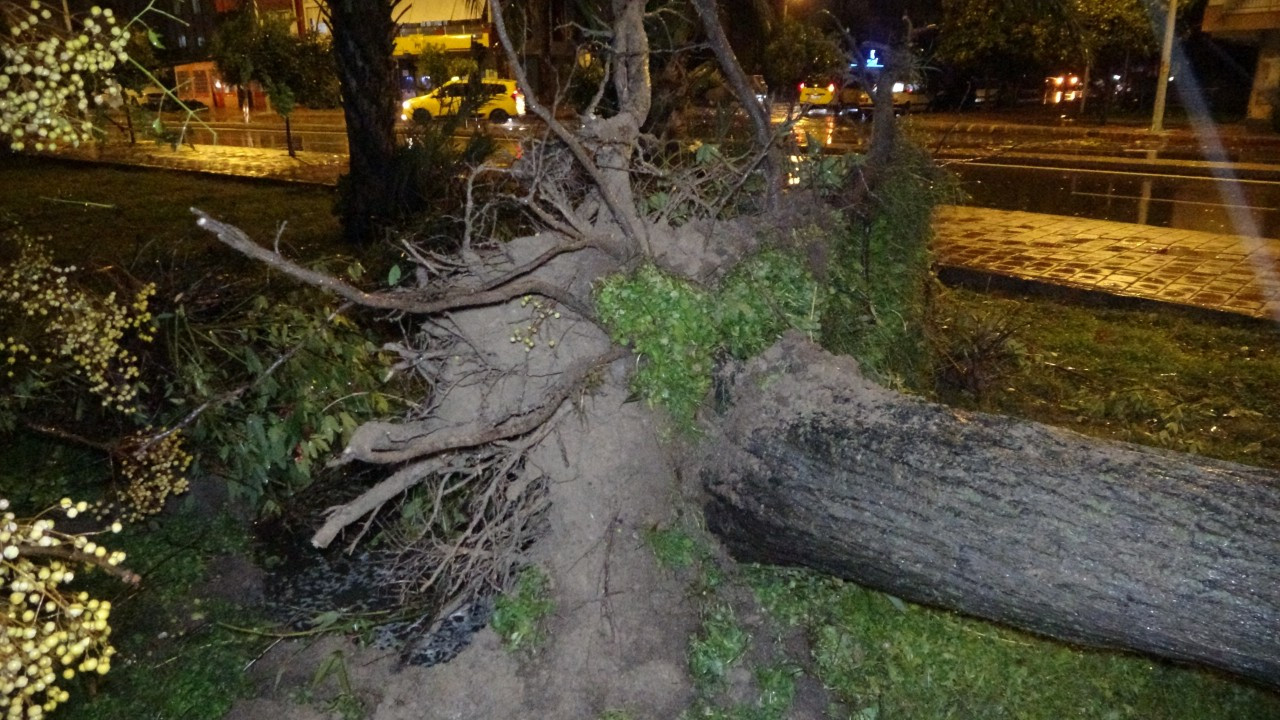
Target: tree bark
<point>363,41</point>
<point>1093,542</point>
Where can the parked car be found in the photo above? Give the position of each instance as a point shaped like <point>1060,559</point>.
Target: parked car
<point>907,98</point>
<point>156,100</point>
<point>504,102</point>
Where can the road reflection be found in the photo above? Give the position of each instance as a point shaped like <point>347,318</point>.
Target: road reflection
<point>1242,207</point>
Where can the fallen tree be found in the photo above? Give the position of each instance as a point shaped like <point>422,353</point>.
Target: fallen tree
<point>1104,544</point>
<point>1075,538</point>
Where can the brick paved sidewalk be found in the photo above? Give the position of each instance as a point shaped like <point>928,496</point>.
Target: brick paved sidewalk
<point>308,167</point>
<point>1227,273</point>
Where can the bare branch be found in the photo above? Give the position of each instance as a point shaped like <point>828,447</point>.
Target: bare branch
<point>409,302</point>
<point>762,132</point>
<point>624,216</point>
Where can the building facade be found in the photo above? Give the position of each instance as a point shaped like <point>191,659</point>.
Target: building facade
<point>1256,22</point>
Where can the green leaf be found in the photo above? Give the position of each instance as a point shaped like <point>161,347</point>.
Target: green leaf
<point>153,37</point>
<point>393,277</point>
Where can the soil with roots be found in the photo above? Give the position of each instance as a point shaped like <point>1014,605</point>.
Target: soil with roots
<point>620,632</point>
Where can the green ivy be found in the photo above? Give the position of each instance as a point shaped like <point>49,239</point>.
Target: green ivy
<point>764,296</point>
<point>677,328</point>
<point>670,324</point>
<point>518,614</point>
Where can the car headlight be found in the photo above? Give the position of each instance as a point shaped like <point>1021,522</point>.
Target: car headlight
<point>405,104</point>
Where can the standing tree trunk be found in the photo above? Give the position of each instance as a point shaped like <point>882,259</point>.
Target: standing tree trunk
<point>363,40</point>
<point>288,137</point>
<point>1105,544</point>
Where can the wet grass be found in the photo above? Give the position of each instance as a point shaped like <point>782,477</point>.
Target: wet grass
<point>178,654</point>
<point>139,219</point>
<point>883,658</point>
<point>1178,380</point>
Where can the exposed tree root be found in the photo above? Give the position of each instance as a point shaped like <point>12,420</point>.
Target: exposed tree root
<point>469,436</point>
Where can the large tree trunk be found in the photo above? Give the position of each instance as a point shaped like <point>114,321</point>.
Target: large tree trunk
<point>1093,542</point>
<point>363,40</point>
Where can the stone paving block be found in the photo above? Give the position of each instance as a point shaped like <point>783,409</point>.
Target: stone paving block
<point>1245,306</point>
<point>1209,299</point>
<point>1179,292</point>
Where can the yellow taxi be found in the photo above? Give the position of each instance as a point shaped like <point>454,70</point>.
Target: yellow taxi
<point>832,96</point>
<point>504,102</point>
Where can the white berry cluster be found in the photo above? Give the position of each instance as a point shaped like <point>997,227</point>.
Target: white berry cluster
<point>48,634</point>
<point>50,75</point>
<point>57,320</point>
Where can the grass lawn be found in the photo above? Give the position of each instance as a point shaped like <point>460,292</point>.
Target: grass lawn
<point>1163,378</point>
<point>102,215</point>
<point>1169,378</point>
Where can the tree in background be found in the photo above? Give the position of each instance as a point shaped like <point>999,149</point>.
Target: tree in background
<point>292,69</point>
<point>439,66</point>
<point>1108,33</point>
<point>1006,39</point>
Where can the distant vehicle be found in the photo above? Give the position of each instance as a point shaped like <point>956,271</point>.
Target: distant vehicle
<point>907,98</point>
<point>818,94</point>
<point>504,102</point>
<point>833,97</point>
<point>156,100</point>
<point>760,88</point>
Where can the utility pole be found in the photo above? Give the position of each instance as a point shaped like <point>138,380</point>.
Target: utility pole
<point>1162,80</point>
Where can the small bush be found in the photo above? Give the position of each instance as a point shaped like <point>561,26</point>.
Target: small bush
<point>670,324</point>
<point>677,328</point>
<point>268,438</point>
<point>720,644</point>
<point>881,276</point>
<point>518,614</point>
<point>673,548</point>
<point>974,350</point>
